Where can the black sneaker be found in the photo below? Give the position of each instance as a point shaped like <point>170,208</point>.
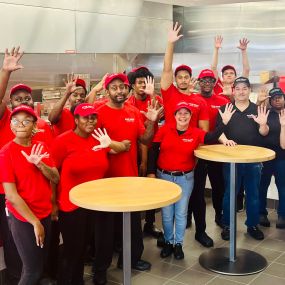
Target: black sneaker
<point>280,223</point>
<point>204,239</point>
<point>166,250</point>
<point>255,232</point>
<point>178,252</point>
<point>218,221</point>
<point>151,229</point>
<point>160,241</point>
<point>263,221</point>
<point>225,233</point>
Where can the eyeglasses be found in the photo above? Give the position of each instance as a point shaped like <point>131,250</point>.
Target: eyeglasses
<point>25,123</point>
<point>209,80</point>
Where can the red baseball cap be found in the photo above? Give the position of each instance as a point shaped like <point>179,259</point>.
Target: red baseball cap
<point>123,77</point>
<point>85,109</point>
<point>80,82</point>
<point>24,108</point>
<point>181,105</point>
<point>183,67</point>
<point>226,67</point>
<point>138,68</point>
<point>20,87</point>
<point>206,73</point>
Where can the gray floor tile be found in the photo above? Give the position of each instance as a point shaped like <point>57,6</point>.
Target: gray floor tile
<point>222,281</point>
<point>148,279</point>
<point>269,254</point>
<point>276,269</point>
<point>265,279</point>
<point>274,244</point>
<point>281,259</point>
<point>193,277</point>
<point>165,270</point>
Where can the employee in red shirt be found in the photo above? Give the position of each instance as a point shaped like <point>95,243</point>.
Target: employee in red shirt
<point>184,87</point>
<point>203,168</point>
<point>26,174</point>
<point>172,159</point>
<point>79,159</point>
<point>61,118</point>
<point>122,121</point>
<point>142,88</point>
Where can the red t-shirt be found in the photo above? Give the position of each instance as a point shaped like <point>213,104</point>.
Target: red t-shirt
<point>219,90</point>
<point>77,163</point>
<point>31,184</point>
<point>214,103</point>
<point>44,133</point>
<point>100,102</point>
<point>122,124</point>
<point>65,123</point>
<point>177,151</point>
<point>198,106</point>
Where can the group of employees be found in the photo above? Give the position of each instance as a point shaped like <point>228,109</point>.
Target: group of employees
<point>131,131</point>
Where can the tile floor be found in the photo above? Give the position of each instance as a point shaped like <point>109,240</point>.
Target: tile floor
<point>188,271</point>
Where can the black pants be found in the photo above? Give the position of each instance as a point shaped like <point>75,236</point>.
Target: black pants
<point>106,224</point>
<point>197,203</point>
<point>33,257</point>
<point>11,256</point>
<point>73,226</point>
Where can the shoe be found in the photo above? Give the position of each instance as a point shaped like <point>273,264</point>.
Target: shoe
<point>160,241</point>
<point>263,221</point>
<point>255,232</point>
<point>141,265</point>
<point>280,223</point>
<point>189,222</point>
<point>166,250</point>
<point>178,252</point>
<point>240,204</point>
<point>151,229</point>
<point>204,239</point>
<point>225,233</point>
<point>218,221</point>
<point>100,278</point>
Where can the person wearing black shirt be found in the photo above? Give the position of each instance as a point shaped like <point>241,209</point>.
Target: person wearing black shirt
<point>245,127</point>
<point>274,167</point>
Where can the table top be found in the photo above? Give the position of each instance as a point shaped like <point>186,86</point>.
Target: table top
<point>125,194</point>
<point>238,153</point>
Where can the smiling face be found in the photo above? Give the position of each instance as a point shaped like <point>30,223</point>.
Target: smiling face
<point>241,92</point>
<point>77,97</point>
<point>182,117</point>
<point>182,79</point>
<point>206,85</point>
<point>22,125</point>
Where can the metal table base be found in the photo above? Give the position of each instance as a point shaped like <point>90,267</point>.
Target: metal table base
<point>127,248</point>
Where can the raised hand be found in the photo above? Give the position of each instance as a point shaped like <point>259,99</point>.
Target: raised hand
<point>100,85</point>
<point>262,115</point>
<point>149,86</point>
<point>192,84</point>
<point>70,83</point>
<point>11,59</point>
<point>227,90</point>
<point>102,137</point>
<point>227,114</point>
<point>173,33</point>
<point>36,154</point>
<point>262,96</point>
<point>153,111</point>
<point>218,41</point>
<point>243,44</point>
<point>282,118</point>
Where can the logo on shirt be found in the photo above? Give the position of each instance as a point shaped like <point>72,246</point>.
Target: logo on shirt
<point>187,140</point>
<point>130,120</point>
<point>215,107</point>
<point>193,105</point>
<point>87,107</point>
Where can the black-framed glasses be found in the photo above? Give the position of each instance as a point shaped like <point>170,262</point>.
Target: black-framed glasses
<point>208,80</point>
<point>25,123</point>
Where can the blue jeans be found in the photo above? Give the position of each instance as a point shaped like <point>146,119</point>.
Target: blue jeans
<point>177,212</point>
<point>274,167</point>
<point>249,173</point>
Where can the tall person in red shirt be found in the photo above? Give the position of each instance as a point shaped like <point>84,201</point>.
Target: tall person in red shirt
<point>183,91</point>
<point>61,118</point>
<point>122,121</point>
<point>203,168</point>
<point>26,174</point>
<point>79,159</point>
<point>142,88</point>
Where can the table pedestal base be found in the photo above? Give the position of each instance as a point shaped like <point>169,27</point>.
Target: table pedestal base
<point>247,262</point>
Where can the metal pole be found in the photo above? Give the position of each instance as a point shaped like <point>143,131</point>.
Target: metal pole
<point>127,247</point>
<point>233,214</point>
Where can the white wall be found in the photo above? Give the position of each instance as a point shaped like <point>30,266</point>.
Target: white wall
<point>89,26</point>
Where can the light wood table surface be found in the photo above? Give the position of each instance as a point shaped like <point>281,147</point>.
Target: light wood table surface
<point>232,261</point>
<point>125,194</point>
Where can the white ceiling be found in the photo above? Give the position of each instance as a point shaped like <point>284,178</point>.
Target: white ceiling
<point>189,3</point>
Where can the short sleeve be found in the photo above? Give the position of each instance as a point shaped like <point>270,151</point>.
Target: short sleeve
<point>7,170</point>
<point>166,94</point>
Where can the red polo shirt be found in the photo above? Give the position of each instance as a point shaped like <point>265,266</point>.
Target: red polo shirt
<point>77,163</point>
<point>198,106</point>
<point>214,103</point>
<point>65,123</point>
<point>31,184</point>
<point>122,124</point>
<point>177,151</point>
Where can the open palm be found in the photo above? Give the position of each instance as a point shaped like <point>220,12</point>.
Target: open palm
<point>36,154</point>
<point>11,59</point>
<point>173,33</point>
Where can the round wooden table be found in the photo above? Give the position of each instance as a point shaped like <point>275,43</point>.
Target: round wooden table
<point>232,261</point>
<point>125,194</point>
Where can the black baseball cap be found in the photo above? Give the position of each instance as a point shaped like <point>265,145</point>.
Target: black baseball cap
<point>243,80</point>
<point>275,92</point>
